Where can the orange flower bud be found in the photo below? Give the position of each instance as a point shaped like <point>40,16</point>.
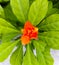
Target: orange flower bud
<point>29,32</point>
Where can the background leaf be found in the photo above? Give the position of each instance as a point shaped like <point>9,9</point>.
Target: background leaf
<point>56,5</point>
<point>4,0</point>
<point>51,9</point>
<point>37,11</point>
<point>31,1</point>
<point>9,14</point>
<point>1,12</point>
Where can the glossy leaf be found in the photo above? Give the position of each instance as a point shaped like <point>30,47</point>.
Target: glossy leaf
<point>51,38</point>
<point>37,11</point>
<point>20,9</point>
<point>29,58</point>
<point>17,56</point>
<point>51,23</point>
<point>5,49</point>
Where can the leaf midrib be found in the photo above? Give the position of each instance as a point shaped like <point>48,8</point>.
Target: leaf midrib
<point>21,10</point>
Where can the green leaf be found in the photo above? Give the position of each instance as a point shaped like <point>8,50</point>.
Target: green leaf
<point>5,49</point>
<point>51,9</point>
<point>29,58</point>
<point>17,56</point>
<point>5,23</point>
<point>7,31</point>
<point>48,58</point>
<point>51,23</point>
<point>56,5</point>
<point>31,1</point>
<point>9,36</point>
<point>50,6</point>
<point>45,57</point>
<point>54,11</point>
<point>37,11</point>
<point>40,57</point>
<point>51,38</point>
<point>9,14</point>
<point>4,0</point>
<point>1,12</point>
<point>39,45</point>
<point>20,9</point>
<point>6,27</point>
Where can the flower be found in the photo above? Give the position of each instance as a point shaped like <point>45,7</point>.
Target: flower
<point>29,32</point>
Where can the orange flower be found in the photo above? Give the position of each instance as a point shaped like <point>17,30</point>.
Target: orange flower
<point>29,32</point>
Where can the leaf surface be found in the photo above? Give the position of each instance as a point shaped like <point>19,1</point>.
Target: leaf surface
<point>29,58</point>
<point>20,9</point>
<point>5,49</point>
<point>17,56</point>
<point>37,11</point>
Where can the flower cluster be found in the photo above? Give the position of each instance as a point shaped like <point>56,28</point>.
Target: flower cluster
<point>29,32</point>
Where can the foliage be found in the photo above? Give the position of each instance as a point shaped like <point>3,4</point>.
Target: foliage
<point>44,14</point>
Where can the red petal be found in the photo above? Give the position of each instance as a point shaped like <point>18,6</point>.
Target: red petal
<point>34,35</point>
<point>28,25</point>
